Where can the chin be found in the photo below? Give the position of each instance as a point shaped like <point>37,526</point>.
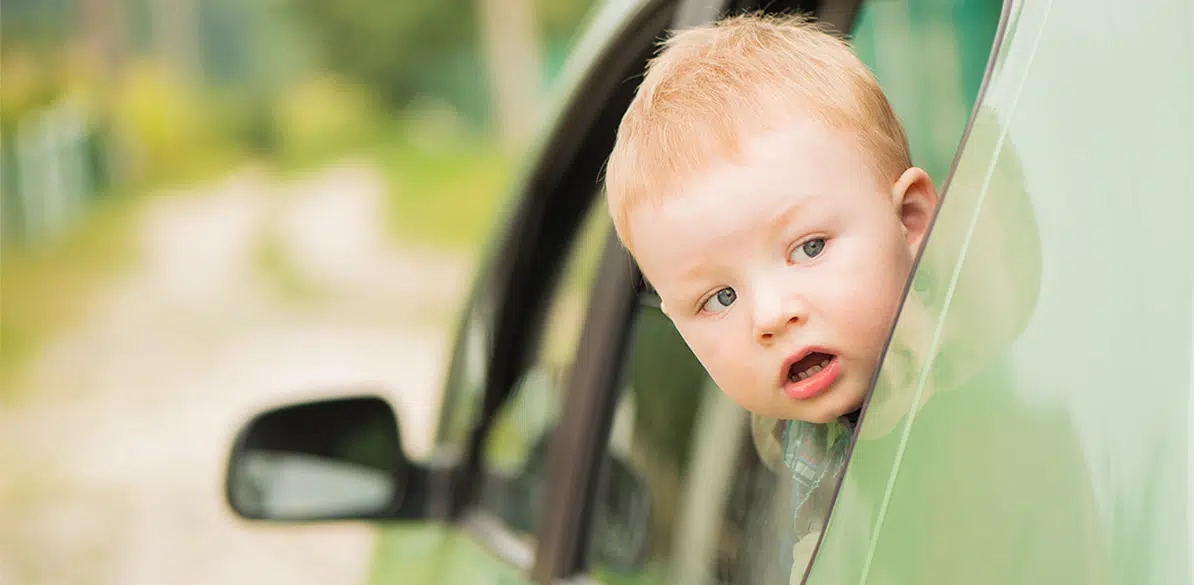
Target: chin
<point>828,411</point>
<point>817,417</point>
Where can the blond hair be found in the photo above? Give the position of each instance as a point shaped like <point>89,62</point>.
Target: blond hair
<point>745,74</point>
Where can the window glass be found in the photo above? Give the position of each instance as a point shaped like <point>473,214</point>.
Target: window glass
<point>1031,422</point>
<point>465,386</point>
<point>686,497</point>
<point>515,450</point>
<point>929,58</point>
<point>574,33</point>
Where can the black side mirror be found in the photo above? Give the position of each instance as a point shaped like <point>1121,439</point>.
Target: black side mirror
<point>338,459</point>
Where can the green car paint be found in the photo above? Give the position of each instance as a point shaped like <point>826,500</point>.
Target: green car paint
<point>429,552</point>
<point>1031,419</point>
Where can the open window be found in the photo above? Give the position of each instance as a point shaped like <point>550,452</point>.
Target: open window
<point>512,360</point>
<point>514,455</point>
<point>715,511</point>
<point>721,506</point>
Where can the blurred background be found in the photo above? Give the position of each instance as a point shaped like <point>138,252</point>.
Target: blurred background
<point>210,207</point>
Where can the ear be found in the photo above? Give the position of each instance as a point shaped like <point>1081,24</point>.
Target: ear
<point>914,199</point>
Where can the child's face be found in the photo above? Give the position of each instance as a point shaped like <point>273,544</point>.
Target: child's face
<point>783,269</point>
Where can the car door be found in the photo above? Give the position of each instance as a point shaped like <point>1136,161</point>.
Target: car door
<point>491,538</point>
<point>516,342</point>
<point>1028,450</point>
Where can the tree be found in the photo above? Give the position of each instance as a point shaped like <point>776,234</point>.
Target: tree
<point>398,49</point>
<point>390,47</point>
<point>512,56</point>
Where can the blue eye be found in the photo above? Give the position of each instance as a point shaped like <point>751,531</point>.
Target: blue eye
<point>808,250</point>
<point>720,301</point>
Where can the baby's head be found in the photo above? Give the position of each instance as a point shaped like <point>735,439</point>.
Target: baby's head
<point>763,184</point>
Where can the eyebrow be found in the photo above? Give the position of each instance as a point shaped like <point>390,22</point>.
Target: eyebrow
<point>788,214</point>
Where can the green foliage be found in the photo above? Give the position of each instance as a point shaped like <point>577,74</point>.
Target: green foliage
<point>446,181</point>
<point>167,131</point>
<point>401,50</point>
<point>560,19</point>
<point>391,47</point>
<point>665,376</point>
<point>322,117</point>
<point>445,186</point>
<point>26,88</point>
<point>39,23</point>
<point>45,288</point>
<point>165,120</point>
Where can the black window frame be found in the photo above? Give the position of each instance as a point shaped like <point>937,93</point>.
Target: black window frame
<point>520,276</point>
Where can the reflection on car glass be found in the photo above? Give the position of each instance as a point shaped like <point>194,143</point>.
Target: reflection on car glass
<point>716,512</point>
<point>812,455</point>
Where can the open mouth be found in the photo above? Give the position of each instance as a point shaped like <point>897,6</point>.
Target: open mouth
<point>809,365</point>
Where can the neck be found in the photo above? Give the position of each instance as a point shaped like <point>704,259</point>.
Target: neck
<point>851,418</point>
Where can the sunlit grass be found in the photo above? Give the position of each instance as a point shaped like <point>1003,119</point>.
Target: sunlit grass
<point>444,195</point>
<point>48,286</point>
<point>447,196</point>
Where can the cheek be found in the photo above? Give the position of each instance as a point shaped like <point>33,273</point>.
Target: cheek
<point>870,287</point>
<point>707,342</point>
<point>713,345</point>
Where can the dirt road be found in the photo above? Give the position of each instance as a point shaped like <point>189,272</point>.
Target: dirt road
<point>112,469</point>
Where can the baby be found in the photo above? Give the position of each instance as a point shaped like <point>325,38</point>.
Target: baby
<point>763,184</point>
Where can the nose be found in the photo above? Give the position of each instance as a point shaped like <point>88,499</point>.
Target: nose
<point>775,312</point>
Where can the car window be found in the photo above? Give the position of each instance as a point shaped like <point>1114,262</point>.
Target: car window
<point>711,510</point>
<point>1032,418</point>
<point>465,384</point>
<point>514,455</point>
<point>720,497</point>
<point>929,58</point>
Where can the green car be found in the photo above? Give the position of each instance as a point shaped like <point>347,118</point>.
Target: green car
<point>1031,421</point>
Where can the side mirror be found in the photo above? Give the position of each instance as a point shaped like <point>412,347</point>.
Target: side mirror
<point>338,459</point>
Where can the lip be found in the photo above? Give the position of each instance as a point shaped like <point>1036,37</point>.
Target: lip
<point>814,384</point>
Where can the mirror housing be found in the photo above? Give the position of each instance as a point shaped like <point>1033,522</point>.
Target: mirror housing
<point>336,459</point>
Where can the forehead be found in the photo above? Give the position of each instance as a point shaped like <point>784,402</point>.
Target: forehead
<point>791,155</point>
<point>769,172</point>
<point>713,216</point>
